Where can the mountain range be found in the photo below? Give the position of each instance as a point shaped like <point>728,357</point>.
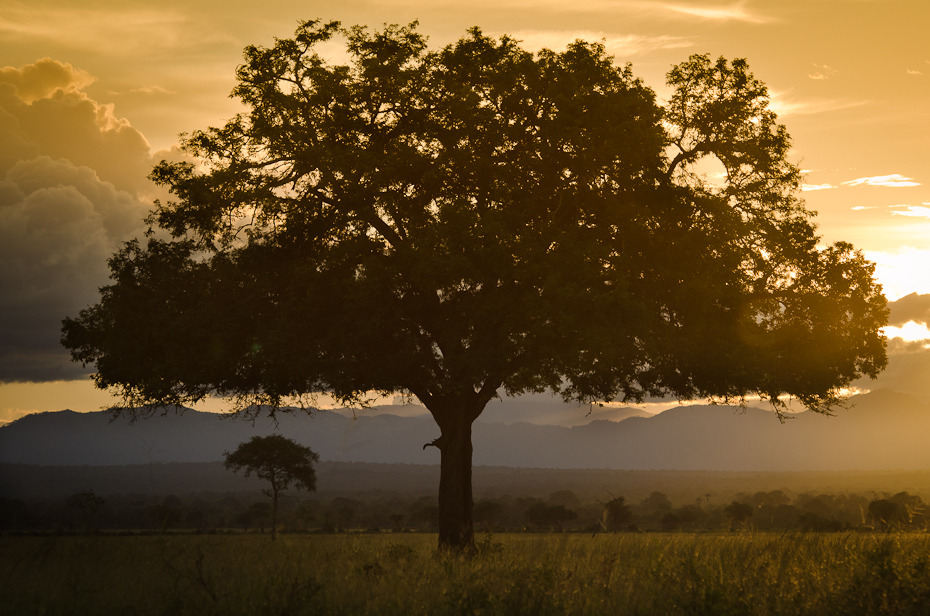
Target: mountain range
<point>881,430</point>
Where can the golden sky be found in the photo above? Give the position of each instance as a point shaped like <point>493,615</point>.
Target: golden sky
<point>93,93</point>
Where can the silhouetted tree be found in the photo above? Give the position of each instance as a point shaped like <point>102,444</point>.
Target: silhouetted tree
<point>279,461</point>
<point>168,513</point>
<point>15,513</point>
<point>811,521</point>
<point>687,516</point>
<point>617,515</point>
<point>914,508</point>
<point>655,503</point>
<point>425,512</point>
<point>739,514</point>
<point>487,511</point>
<point>479,219</point>
<point>567,498</point>
<point>768,499</point>
<point>344,510</point>
<point>257,515</point>
<point>898,511</point>
<point>541,514</point>
<point>84,506</point>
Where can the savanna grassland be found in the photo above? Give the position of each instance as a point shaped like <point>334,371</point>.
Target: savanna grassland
<point>401,573</point>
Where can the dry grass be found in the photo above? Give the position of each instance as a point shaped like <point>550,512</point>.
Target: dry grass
<point>514,574</point>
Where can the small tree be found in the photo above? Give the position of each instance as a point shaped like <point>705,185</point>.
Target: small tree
<point>278,460</point>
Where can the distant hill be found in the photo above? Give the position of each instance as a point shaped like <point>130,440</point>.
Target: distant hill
<point>881,431</point>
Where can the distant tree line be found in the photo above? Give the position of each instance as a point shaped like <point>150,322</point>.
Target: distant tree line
<point>562,511</point>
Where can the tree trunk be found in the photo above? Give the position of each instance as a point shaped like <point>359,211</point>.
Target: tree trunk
<point>456,533</point>
<point>455,417</point>
<point>274,511</point>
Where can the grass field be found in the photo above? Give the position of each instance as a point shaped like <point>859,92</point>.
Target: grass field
<point>651,573</point>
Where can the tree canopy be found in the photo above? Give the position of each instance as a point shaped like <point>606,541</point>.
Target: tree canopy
<point>479,219</point>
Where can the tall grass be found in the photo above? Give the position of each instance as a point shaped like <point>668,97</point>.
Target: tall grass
<point>514,574</point>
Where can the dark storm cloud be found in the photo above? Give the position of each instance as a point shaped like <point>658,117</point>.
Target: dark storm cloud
<point>72,178</point>
<point>913,307</point>
<point>58,225</point>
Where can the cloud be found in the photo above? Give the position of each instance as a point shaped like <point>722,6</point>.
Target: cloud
<point>908,367</point>
<point>912,71</point>
<point>63,122</point>
<point>895,180</point>
<point>623,45</point>
<point>822,72</point>
<point>683,10</point>
<point>145,90</point>
<point>859,208</point>
<point>44,78</point>
<point>72,187</point>
<point>910,308</point>
<point>917,211</point>
<point>908,349</point>
<point>58,225</point>
<point>731,12</point>
<point>783,105</point>
<point>814,187</point>
<point>114,28</point>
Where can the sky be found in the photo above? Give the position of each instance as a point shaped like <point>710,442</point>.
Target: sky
<point>93,94</point>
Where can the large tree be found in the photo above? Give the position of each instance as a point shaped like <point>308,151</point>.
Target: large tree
<point>474,220</point>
